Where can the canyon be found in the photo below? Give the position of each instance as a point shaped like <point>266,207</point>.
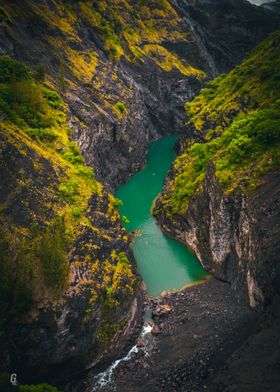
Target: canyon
<point>111,77</point>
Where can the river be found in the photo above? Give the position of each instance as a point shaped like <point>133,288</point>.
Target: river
<point>165,264</point>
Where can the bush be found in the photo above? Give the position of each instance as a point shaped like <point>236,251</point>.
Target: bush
<point>69,190</point>
<point>22,100</point>
<point>23,103</point>
<point>76,212</point>
<point>125,219</point>
<point>52,97</point>
<point>86,172</point>
<point>12,69</point>
<point>43,134</point>
<point>73,154</point>
<point>121,107</point>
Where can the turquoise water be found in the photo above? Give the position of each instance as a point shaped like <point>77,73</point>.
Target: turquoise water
<point>164,263</point>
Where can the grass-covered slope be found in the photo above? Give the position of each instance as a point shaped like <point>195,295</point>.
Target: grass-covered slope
<point>237,120</point>
<point>124,29</point>
<point>60,232</point>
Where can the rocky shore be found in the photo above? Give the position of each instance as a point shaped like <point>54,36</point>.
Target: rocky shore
<point>196,332</point>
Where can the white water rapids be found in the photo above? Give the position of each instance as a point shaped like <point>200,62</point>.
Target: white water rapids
<point>105,378</point>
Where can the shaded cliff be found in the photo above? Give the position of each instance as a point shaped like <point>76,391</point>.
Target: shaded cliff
<point>222,195</point>
<point>68,283</point>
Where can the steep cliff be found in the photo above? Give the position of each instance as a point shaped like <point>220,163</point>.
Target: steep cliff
<point>124,66</point>
<point>110,76</point>
<point>273,6</point>
<point>68,283</point>
<point>222,195</point>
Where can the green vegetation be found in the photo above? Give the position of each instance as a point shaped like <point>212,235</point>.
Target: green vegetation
<point>26,103</point>
<point>121,107</point>
<point>34,261</point>
<point>5,386</point>
<point>37,388</point>
<point>238,116</point>
<point>34,118</point>
<point>136,31</point>
<point>123,28</point>
<point>72,154</point>
<point>117,279</point>
<point>116,283</point>
<point>40,113</point>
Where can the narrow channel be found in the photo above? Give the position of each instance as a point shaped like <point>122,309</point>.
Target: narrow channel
<point>165,264</point>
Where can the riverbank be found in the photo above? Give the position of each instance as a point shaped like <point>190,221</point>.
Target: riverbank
<point>195,331</point>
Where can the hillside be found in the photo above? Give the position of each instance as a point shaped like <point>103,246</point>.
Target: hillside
<point>64,252</point>
<point>227,177</point>
<point>84,87</point>
<point>126,65</point>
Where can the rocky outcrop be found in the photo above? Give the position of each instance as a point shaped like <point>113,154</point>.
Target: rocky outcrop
<point>61,335</point>
<point>222,194</point>
<point>234,236</point>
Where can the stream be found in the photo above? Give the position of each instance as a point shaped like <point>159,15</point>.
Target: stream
<point>164,263</point>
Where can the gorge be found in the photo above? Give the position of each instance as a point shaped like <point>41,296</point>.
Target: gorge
<point>163,263</point>
<point>87,90</point>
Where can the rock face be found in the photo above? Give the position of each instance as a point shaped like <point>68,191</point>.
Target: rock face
<point>235,237</point>
<point>68,282</point>
<point>153,84</point>
<point>273,6</point>
<point>121,88</point>
<point>222,195</point>
<point>70,330</point>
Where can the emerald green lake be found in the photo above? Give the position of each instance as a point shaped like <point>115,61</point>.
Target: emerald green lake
<point>164,263</point>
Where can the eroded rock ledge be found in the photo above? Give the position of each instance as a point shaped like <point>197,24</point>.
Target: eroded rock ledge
<point>235,237</point>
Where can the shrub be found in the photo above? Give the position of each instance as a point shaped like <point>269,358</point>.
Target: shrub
<point>12,69</point>
<point>121,107</point>
<point>125,219</point>
<point>69,190</point>
<point>72,154</point>
<point>238,117</point>
<point>43,134</point>
<point>54,99</point>
<point>76,212</point>
<point>23,103</point>
<point>86,172</point>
